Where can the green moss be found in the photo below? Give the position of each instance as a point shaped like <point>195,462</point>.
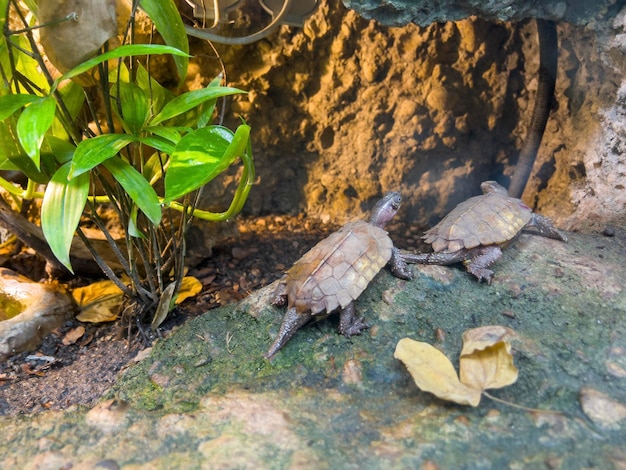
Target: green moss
<point>210,374</point>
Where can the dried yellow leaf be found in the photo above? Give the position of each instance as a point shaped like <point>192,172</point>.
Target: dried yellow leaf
<point>98,302</point>
<point>189,287</point>
<point>477,339</point>
<point>84,296</point>
<point>433,372</point>
<point>486,359</point>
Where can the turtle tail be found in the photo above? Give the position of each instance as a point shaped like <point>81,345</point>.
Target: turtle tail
<point>291,323</point>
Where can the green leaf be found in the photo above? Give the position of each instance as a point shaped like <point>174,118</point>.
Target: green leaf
<point>91,152</point>
<point>73,97</point>
<point>158,143</point>
<point>130,50</point>
<point>242,147</point>
<point>33,123</point>
<point>11,103</point>
<point>62,150</point>
<point>158,95</point>
<point>170,133</point>
<point>165,16</point>
<point>183,103</point>
<point>63,204</point>
<point>199,157</point>
<point>134,104</point>
<point>206,113</point>
<point>133,229</point>
<point>137,188</point>
<point>11,154</point>
<point>9,149</point>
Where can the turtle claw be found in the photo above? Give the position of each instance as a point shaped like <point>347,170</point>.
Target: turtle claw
<point>481,274</point>
<point>349,323</point>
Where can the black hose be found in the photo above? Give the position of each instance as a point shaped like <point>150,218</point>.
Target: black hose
<point>548,60</point>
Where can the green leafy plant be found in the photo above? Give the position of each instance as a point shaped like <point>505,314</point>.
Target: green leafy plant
<point>106,133</point>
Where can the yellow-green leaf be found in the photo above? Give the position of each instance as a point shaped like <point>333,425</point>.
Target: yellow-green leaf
<point>33,123</point>
<point>63,204</point>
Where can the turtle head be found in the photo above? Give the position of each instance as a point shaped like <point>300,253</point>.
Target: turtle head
<point>493,187</point>
<point>385,209</point>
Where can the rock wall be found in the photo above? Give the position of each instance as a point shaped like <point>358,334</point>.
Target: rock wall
<point>425,12</point>
<point>346,108</point>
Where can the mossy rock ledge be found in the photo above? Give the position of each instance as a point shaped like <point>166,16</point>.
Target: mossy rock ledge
<point>206,398</point>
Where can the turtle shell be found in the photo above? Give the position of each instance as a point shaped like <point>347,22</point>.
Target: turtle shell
<point>338,269</point>
<point>490,219</point>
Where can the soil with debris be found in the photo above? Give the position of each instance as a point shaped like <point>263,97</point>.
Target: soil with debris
<point>65,371</point>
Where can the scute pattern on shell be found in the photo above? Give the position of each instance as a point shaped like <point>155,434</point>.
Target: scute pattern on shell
<point>338,269</point>
<point>488,219</point>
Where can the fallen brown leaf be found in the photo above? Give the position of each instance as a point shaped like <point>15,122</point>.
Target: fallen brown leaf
<point>73,335</point>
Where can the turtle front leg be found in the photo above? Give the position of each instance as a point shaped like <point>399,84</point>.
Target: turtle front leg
<point>349,323</point>
<point>545,228</point>
<point>481,259</point>
<point>398,266</point>
<point>291,323</point>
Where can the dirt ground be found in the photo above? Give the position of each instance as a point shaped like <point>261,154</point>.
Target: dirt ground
<point>59,375</point>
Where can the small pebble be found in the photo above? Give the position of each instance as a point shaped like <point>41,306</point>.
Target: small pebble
<point>161,380</point>
<point>352,372</point>
<point>388,297</point>
<point>509,313</point>
<point>608,231</point>
<point>440,335</point>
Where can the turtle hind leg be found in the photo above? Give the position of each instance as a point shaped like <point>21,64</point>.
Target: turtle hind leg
<point>481,259</point>
<point>349,323</point>
<point>291,323</point>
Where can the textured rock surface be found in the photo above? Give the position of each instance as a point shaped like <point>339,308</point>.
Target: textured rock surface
<point>346,109</point>
<point>425,12</point>
<point>205,398</point>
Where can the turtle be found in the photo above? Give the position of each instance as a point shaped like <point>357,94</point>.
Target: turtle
<point>475,231</point>
<point>336,271</point>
